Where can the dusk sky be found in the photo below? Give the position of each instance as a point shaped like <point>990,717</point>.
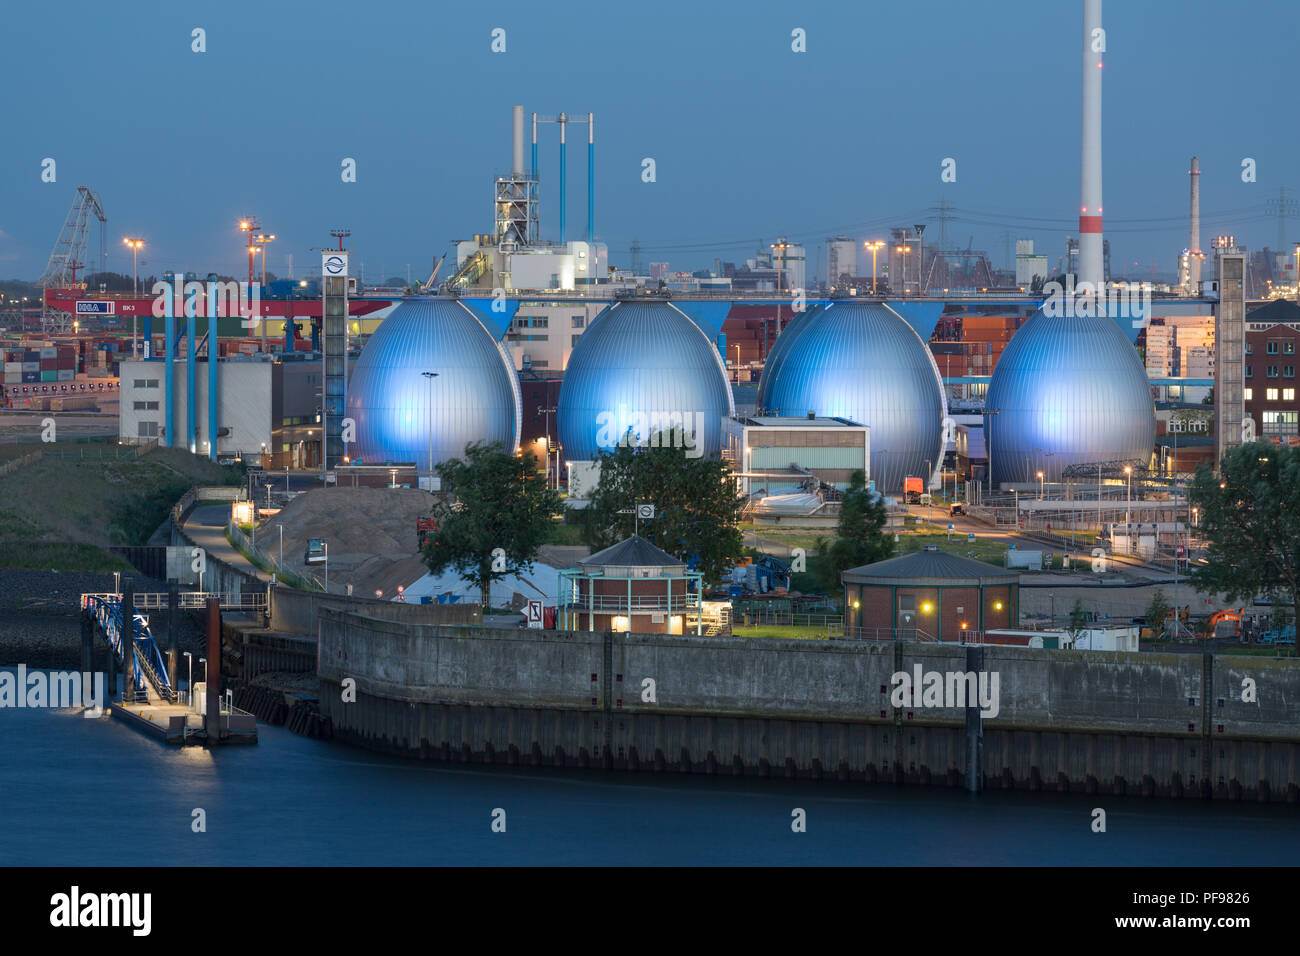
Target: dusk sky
<point>750,139</point>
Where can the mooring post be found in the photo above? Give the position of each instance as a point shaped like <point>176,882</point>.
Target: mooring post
<point>173,642</point>
<point>974,725</point>
<point>128,641</point>
<point>213,676</point>
<point>87,635</point>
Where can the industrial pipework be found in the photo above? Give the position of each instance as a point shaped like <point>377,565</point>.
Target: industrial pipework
<point>563,121</point>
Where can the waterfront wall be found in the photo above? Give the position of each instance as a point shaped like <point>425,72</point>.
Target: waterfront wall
<point>1077,721</point>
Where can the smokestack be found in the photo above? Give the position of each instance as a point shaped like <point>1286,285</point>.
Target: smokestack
<point>517,155</point>
<point>563,121</point>
<point>591,179</point>
<point>534,167</point>
<point>1194,241</point>
<point>1090,238</point>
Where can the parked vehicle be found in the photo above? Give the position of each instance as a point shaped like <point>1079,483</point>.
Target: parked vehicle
<point>955,509</point>
<point>913,488</point>
<point>315,553</point>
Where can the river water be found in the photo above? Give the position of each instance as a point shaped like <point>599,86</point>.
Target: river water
<point>77,791</point>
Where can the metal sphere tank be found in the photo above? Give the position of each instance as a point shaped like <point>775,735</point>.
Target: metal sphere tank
<point>781,349</point>
<point>474,396</point>
<point>864,362</point>
<point>643,366</point>
<point>1067,390</point>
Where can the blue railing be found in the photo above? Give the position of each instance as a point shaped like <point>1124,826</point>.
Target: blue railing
<point>149,664</point>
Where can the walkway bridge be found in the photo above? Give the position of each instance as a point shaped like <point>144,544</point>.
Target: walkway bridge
<point>151,684</point>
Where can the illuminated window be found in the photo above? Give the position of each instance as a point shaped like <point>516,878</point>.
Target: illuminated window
<point>1271,395</point>
<point>1288,348</point>
<point>1282,423</point>
<point>1288,394</point>
<point>1249,393</point>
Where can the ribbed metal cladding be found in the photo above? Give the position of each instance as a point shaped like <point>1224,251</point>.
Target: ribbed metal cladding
<point>641,358</point>
<point>862,361</point>
<point>1067,391</point>
<point>781,349</point>
<point>475,396</point>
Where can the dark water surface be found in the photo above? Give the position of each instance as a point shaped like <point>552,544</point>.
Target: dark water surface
<point>75,791</point>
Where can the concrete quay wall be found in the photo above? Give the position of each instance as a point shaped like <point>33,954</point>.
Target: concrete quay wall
<point>1072,721</point>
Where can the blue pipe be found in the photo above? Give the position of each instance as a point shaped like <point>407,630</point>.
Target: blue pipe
<point>288,334</point>
<point>214,352</point>
<point>169,353</point>
<point>190,312</point>
<point>148,334</point>
<point>534,159</point>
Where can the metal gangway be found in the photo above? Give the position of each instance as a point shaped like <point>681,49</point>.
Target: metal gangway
<point>192,600</point>
<point>150,672</point>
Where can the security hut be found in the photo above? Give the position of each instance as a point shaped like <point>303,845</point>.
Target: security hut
<point>929,595</point>
<point>630,586</point>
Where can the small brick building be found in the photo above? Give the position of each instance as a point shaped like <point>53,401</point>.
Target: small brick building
<point>630,586</point>
<point>929,595</point>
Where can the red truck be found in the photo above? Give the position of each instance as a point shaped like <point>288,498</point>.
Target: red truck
<point>913,488</point>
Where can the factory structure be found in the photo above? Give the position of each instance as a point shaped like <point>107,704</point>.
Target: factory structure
<point>535,340</point>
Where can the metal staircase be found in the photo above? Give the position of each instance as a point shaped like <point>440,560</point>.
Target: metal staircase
<point>470,272</point>
<point>150,682</point>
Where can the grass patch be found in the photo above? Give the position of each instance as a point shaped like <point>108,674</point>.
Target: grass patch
<point>61,556</point>
<point>64,513</point>
<point>564,533</point>
<point>784,630</point>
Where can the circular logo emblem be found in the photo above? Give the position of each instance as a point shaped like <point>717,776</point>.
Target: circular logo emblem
<point>333,265</point>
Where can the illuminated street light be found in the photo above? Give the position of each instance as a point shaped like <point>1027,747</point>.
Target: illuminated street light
<point>875,246</point>
<point>134,245</point>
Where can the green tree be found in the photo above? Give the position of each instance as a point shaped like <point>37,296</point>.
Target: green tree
<point>493,500</point>
<point>1250,518</point>
<point>859,536</point>
<point>1078,621</point>
<point>1157,611</point>
<point>697,507</point>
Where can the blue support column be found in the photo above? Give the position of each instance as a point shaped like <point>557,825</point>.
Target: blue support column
<point>190,311</point>
<point>169,359</point>
<point>288,333</point>
<point>214,352</point>
<point>148,334</point>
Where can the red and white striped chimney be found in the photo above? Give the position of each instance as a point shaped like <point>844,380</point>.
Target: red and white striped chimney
<point>1090,239</point>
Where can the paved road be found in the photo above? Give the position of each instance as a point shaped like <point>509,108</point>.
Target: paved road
<point>206,525</point>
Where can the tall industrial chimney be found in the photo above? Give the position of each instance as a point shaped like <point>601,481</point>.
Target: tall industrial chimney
<point>517,155</point>
<point>1194,255</point>
<point>1090,239</point>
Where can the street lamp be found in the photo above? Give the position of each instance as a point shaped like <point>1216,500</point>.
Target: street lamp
<point>262,239</point>
<point>429,377</point>
<point>904,250</point>
<point>875,246</point>
<point>250,225</point>
<point>327,566</point>
<point>1040,486</point>
<point>189,678</point>
<point>134,245</point>
<point>1128,537</point>
<point>737,364</point>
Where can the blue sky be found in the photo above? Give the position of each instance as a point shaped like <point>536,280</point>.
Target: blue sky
<point>750,139</point>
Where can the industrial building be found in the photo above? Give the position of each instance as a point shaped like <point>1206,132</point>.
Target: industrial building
<point>863,362</point>
<point>774,456</point>
<point>644,371</point>
<point>929,595</point>
<point>1269,395</point>
<point>632,587</point>
<point>431,380</point>
<point>268,408</point>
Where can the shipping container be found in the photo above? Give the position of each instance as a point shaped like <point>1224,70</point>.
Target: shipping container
<point>67,375</point>
<point>49,375</point>
<point>29,377</point>
<point>49,351</point>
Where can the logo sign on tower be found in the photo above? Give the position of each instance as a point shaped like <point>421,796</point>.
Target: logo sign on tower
<point>334,264</point>
<point>95,307</point>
